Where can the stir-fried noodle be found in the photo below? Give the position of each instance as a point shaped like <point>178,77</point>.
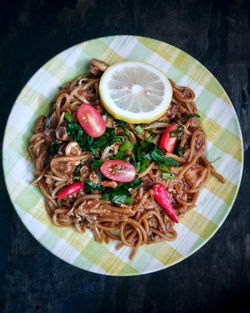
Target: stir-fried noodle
<point>60,161</point>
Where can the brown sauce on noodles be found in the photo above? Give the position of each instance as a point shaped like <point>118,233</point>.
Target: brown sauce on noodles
<point>143,221</point>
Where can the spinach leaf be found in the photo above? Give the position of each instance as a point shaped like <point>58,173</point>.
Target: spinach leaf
<point>144,164</point>
<point>136,163</point>
<point>123,190</point>
<point>139,153</point>
<point>134,183</point>
<point>54,147</point>
<point>118,156</point>
<point>105,196</point>
<point>145,145</point>
<point>77,172</point>
<point>90,186</point>
<point>78,169</point>
<point>121,194</point>
<point>93,150</point>
<point>107,139</point>
<point>180,151</point>
<point>187,117</point>
<point>124,127</point>
<point>157,155</point>
<point>118,196</point>
<point>138,159</point>
<point>129,200</point>
<point>76,132</point>
<point>96,164</point>
<point>107,114</point>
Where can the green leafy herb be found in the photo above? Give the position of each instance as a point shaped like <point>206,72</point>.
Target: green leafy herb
<point>160,158</point>
<point>101,176</point>
<point>180,151</point>
<point>118,139</point>
<point>133,184</point>
<point>164,167</point>
<point>138,166</point>
<point>139,153</point>
<point>122,193</point>
<point>90,186</point>
<point>105,196</point>
<point>187,117</point>
<point>149,138</point>
<point>76,132</point>
<point>177,132</point>
<point>78,169</point>
<point>157,155</point>
<point>174,133</point>
<point>127,132</point>
<point>96,164</point>
<point>118,198</point>
<point>124,126</point>
<point>68,117</point>
<point>118,195</point>
<point>127,145</point>
<point>137,158</point>
<point>139,130</point>
<point>147,146</point>
<point>167,175</point>
<point>93,150</point>
<point>54,147</point>
<point>107,139</point>
<point>107,114</point>
<point>144,164</point>
<point>76,177</point>
<point>129,200</point>
<point>144,144</point>
<point>136,163</point>
<point>118,156</point>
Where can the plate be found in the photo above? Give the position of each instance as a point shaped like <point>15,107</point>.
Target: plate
<point>224,142</point>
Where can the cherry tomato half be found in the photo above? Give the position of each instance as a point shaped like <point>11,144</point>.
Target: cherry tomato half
<point>117,170</point>
<point>91,120</point>
<point>168,143</point>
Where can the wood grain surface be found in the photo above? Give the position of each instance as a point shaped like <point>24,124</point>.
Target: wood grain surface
<point>217,277</point>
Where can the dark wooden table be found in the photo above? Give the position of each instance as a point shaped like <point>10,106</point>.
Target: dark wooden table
<point>215,279</point>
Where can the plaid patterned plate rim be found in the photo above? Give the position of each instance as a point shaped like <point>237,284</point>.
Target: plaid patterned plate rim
<point>224,141</point>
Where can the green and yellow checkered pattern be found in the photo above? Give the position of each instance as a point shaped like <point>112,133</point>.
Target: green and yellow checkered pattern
<point>224,141</point>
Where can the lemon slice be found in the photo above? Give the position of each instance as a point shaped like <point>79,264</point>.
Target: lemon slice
<point>135,92</point>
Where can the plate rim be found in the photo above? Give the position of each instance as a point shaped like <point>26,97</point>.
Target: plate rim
<point>218,226</point>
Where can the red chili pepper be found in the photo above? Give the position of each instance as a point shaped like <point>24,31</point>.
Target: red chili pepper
<point>70,189</point>
<point>161,196</point>
<point>167,142</point>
